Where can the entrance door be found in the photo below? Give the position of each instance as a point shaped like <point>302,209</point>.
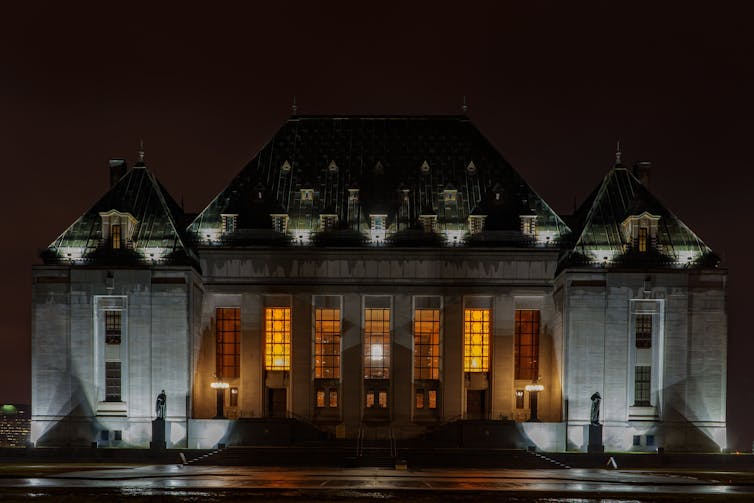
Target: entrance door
<point>475,404</point>
<point>277,402</point>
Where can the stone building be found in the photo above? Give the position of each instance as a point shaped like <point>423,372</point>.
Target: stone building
<point>379,270</point>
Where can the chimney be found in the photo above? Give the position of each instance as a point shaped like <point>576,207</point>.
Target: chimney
<point>641,171</point>
<point>118,169</point>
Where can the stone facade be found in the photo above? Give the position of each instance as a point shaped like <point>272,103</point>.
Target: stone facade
<point>264,305</point>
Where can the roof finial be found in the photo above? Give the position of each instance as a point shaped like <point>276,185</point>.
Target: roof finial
<point>141,151</point>
<point>618,154</point>
<point>464,107</point>
<point>294,108</point>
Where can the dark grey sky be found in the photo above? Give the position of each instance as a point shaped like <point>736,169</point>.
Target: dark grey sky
<point>552,84</point>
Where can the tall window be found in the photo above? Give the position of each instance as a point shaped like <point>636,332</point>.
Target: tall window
<point>277,354</point>
<point>643,331</point>
<point>426,344</point>
<point>476,340</point>
<point>326,343</point>
<point>112,356</point>
<point>643,232</point>
<point>642,382</point>
<point>115,236</point>
<point>527,344</point>
<point>377,343</point>
<point>228,338</point>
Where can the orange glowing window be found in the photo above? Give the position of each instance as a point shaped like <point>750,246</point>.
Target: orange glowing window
<point>115,236</point>
<point>427,344</point>
<point>277,331</point>
<point>228,341</point>
<point>476,340</point>
<point>527,344</point>
<point>376,343</point>
<point>643,232</point>
<point>420,399</point>
<point>320,398</point>
<point>327,343</point>
<point>432,399</point>
<point>333,398</point>
<point>382,397</point>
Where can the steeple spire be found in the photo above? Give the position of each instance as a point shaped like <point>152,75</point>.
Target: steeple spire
<point>294,107</point>
<point>464,106</point>
<point>141,153</point>
<point>618,154</point>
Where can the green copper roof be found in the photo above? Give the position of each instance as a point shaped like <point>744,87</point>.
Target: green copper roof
<point>603,235</point>
<point>403,167</point>
<point>156,236</point>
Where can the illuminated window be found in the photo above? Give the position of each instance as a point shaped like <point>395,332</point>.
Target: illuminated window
<point>642,381</point>
<point>229,222</point>
<point>279,222</point>
<point>519,399</point>
<point>278,338</point>
<point>326,343</point>
<point>228,342</point>
<point>115,236</point>
<point>327,221</point>
<point>476,340</point>
<point>529,225</point>
<point>370,399</point>
<point>643,232</point>
<point>432,399</point>
<point>527,344</point>
<point>376,343</point>
<point>112,356</point>
<point>420,399</point>
<point>234,397</point>
<point>643,330</point>
<point>307,194</point>
<point>476,223</point>
<point>320,398</point>
<point>382,399</point>
<point>427,344</point>
<point>333,398</point>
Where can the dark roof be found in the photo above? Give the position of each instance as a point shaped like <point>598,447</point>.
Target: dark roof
<point>157,236</point>
<point>597,227</point>
<point>403,166</point>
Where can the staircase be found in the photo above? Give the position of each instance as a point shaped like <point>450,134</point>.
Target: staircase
<point>376,447</point>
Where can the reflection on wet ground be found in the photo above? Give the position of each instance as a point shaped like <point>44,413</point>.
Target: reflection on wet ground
<point>226,484</point>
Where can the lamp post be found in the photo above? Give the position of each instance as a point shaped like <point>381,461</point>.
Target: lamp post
<point>220,388</point>
<point>533,390</point>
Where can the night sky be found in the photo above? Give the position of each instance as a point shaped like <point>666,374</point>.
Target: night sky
<point>552,85</point>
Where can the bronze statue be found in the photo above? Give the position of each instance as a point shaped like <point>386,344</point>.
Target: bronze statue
<point>596,399</point>
<point>161,405</point>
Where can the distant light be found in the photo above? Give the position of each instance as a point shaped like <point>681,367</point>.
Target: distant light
<point>220,385</point>
<point>534,387</point>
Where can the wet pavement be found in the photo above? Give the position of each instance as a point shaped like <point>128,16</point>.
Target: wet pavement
<point>208,483</point>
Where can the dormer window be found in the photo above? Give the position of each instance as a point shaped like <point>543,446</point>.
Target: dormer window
<point>643,236</point>
<point>229,222</point>
<point>450,195</point>
<point>327,221</point>
<point>476,223</point>
<point>353,195</point>
<point>279,222</point>
<point>640,232</point>
<point>307,194</point>
<point>428,222</point>
<point>115,236</point>
<point>117,229</point>
<point>529,225</point>
<point>377,226</point>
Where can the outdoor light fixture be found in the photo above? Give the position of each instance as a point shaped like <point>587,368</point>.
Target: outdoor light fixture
<point>533,390</point>
<point>220,387</point>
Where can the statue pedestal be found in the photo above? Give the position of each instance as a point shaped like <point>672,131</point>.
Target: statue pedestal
<point>158,435</point>
<point>594,434</point>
